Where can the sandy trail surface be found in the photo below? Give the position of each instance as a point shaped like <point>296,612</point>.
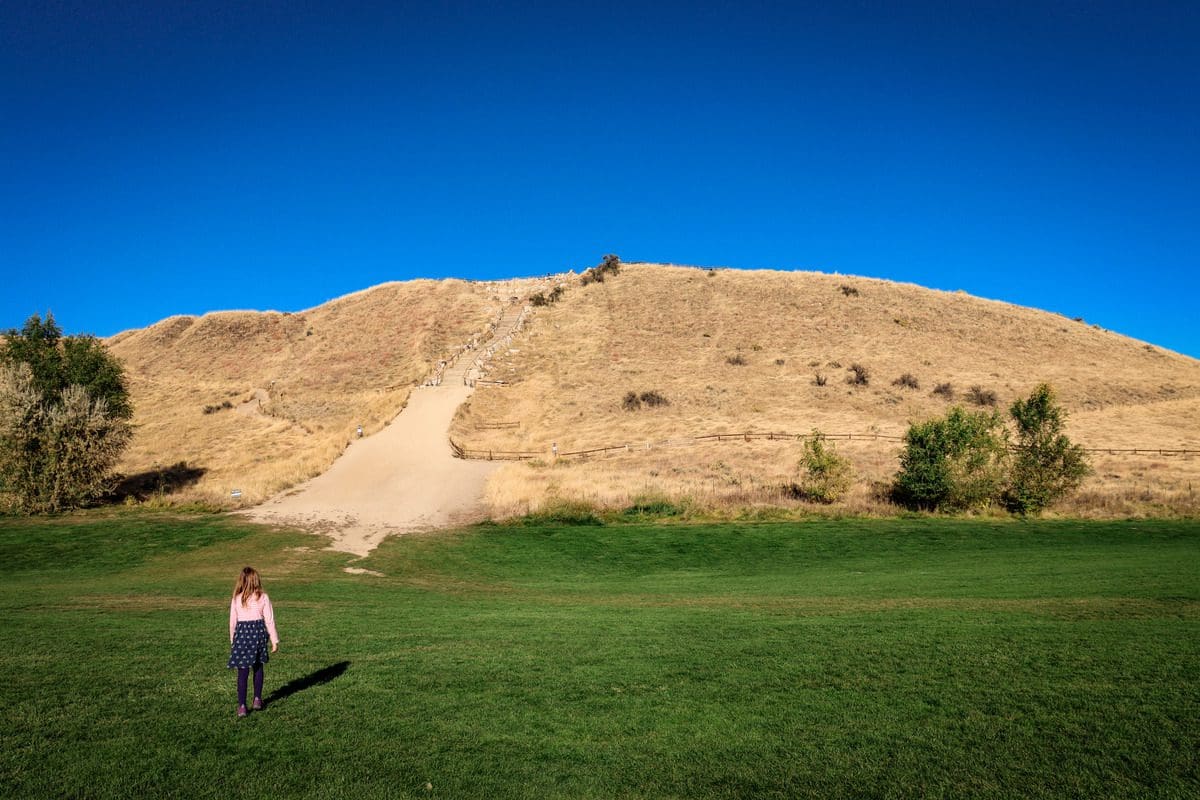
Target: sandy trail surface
<point>403,478</point>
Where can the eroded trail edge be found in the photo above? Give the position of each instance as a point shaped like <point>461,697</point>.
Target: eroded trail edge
<point>402,479</point>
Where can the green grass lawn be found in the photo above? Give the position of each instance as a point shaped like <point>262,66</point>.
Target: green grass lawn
<point>853,658</point>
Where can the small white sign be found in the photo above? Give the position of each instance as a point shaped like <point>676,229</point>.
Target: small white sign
<point>236,493</point>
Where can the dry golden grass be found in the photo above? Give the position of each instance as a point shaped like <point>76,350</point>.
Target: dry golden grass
<point>299,383</point>
<point>676,330</point>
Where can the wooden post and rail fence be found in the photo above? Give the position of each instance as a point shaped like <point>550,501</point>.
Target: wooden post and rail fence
<point>489,454</point>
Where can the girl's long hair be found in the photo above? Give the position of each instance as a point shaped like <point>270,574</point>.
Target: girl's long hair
<point>248,583</point>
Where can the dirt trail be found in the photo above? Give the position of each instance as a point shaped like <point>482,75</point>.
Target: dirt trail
<point>403,478</point>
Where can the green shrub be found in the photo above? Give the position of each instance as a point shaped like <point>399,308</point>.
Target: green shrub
<point>564,512</point>
<point>824,474</point>
<point>952,464</point>
<point>64,413</point>
<point>1046,464</point>
<point>654,506</point>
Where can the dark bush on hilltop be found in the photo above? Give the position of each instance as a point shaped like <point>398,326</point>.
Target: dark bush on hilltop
<point>849,291</point>
<point>609,265</point>
<point>543,299</point>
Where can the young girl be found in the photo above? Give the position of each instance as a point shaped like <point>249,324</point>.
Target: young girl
<point>251,624</point>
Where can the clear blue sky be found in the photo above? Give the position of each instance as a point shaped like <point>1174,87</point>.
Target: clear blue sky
<point>167,157</point>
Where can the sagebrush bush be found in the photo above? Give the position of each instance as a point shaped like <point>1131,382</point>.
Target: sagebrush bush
<point>819,379</point>
<point>848,290</point>
<point>736,360</point>
<point>981,397</point>
<point>859,375</point>
<point>907,381</point>
<point>654,399</point>
<point>631,402</point>
<point>825,475</point>
<point>946,390</point>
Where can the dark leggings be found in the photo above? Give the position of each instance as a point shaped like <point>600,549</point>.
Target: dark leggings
<point>243,675</point>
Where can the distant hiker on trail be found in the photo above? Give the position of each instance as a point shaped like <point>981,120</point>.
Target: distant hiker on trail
<point>251,625</point>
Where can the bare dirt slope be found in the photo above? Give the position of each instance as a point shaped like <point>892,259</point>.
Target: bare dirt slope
<point>260,401</point>
<point>403,478</point>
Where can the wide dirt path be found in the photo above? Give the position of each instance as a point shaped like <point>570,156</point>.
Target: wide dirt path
<point>401,479</point>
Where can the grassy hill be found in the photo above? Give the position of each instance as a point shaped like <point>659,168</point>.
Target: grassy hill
<point>261,401</point>
<point>735,351</point>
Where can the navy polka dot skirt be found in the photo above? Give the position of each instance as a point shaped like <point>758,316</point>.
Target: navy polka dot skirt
<point>250,644</point>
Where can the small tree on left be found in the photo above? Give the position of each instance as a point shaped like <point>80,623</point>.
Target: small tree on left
<point>64,418</point>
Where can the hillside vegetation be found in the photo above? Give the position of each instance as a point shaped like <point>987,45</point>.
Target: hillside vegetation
<point>262,401</point>
<point>733,351</point>
<point>259,401</point>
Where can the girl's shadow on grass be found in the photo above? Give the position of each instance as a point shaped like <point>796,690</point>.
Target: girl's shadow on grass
<point>323,675</point>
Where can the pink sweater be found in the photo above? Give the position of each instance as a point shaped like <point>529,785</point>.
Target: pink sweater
<point>256,608</point>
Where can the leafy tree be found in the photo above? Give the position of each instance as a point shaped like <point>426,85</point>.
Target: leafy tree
<point>64,413</point>
<point>953,463</point>
<point>1046,464</point>
<point>58,362</point>
<point>825,475</point>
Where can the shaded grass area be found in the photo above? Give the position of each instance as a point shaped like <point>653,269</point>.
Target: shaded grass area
<point>884,658</point>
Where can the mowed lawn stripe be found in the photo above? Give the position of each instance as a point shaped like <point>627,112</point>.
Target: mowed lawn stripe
<point>846,658</point>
